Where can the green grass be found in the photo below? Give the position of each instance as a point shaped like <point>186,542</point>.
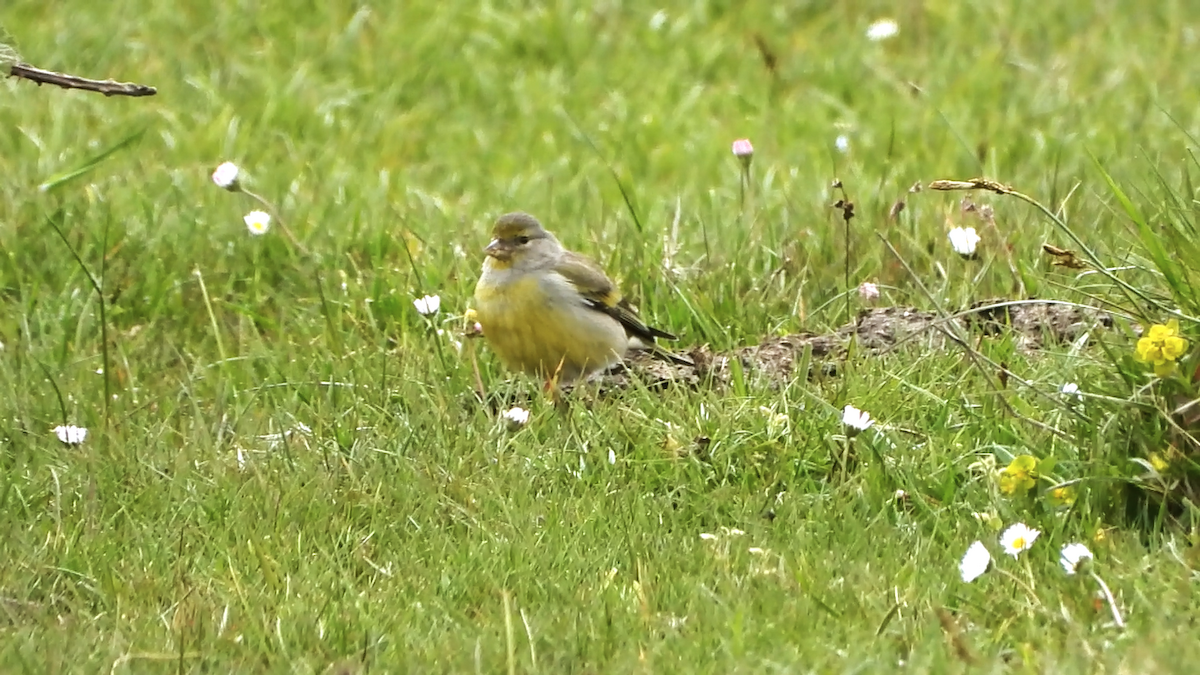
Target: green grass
<point>289,471</point>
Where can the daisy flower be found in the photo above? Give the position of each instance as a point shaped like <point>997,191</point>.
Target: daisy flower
<point>964,240</point>
<point>258,222</point>
<point>515,417</point>
<point>975,562</point>
<point>856,420</point>
<point>70,434</point>
<point>1073,557</point>
<point>226,176</point>
<point>1018,538</point>
<point>882,30</point>
<point>428,304</point>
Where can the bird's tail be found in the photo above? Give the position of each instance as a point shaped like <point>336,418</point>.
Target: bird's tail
<point>659,352</point>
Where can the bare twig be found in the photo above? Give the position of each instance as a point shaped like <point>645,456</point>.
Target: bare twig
<point>32,73</point>
<point>1112,602</point>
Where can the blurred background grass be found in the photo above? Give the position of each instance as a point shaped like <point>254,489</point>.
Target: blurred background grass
<point>389,137</point>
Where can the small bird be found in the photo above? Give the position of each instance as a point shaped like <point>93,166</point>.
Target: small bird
<point>551,312</point>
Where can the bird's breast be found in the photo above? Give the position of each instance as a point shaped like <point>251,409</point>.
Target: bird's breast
<point>539,323</point>
<point>502,296</point>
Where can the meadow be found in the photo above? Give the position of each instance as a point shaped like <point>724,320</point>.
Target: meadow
<point>289,468</point>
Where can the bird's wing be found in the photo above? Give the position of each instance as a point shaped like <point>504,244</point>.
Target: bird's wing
<point>601,294</point>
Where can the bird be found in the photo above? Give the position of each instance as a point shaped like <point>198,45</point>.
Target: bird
<point>551,312</point>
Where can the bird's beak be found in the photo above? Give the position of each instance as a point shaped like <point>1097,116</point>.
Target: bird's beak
<point>498,250</point>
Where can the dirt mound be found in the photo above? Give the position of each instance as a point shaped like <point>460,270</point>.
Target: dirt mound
<point>1035,323</point>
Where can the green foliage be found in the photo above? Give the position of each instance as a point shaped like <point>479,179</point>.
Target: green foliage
<point>287,468</point>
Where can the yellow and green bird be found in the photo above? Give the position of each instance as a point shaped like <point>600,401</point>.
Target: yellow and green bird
<point>551,312</point>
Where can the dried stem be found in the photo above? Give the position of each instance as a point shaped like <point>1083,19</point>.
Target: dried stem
<point>1112,602</point>
<point>41,76</point>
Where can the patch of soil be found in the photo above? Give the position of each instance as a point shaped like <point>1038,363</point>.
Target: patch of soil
<point>1035,323</point>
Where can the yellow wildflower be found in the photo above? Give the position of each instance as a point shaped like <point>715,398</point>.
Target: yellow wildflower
<point>1020,474</point>
<point>1160,465</point>
<point>1161,346</point>
<point>1161,461</point>
<point>471,326</point>
<point>1063,496</point>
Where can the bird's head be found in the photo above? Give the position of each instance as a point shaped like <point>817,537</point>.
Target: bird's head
<point>519,239</point>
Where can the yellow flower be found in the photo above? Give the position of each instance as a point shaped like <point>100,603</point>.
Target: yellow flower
<point>1160,465</point>
<point>1161,461</point>
<point>1161,346</point>
<point>1020,474</point>
<point>1063,496</point>
<point>471,325</point>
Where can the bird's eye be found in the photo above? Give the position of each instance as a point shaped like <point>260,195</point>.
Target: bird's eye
<point>522,240</point>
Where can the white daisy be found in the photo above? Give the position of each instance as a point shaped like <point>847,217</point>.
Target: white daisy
<point>975,562</point>
<point>1073,557</point>
<point>226,176</point>
<point>515,417</point>
<point>964,240</point>
<point>428,304</point>
<point>856,420</point>
<point>258,222</point>
<point>882,30</point>
<point>1017,538</point>
<point>70,434</point>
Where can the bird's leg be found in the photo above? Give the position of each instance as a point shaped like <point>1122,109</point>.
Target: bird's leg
<point>557,396</point>
<point>555,392</point>
<point>475,369</point>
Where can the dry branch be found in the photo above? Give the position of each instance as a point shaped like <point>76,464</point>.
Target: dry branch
<point>107,87</point>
